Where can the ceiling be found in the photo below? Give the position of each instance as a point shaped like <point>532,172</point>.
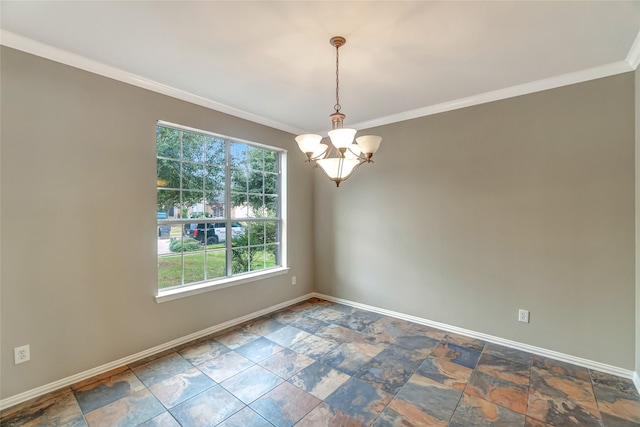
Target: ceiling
<point>271,61</point>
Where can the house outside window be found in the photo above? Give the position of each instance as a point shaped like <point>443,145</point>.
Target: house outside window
<point>219,208</point>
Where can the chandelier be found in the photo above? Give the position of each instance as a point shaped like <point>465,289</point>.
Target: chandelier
<point>339,159</point>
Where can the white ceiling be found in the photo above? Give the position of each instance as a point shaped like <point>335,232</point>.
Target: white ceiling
<point>271,61</point>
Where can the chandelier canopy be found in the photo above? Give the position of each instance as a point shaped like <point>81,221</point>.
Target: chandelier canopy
<point>341,157</point>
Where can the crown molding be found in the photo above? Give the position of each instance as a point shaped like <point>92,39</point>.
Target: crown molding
<point>62,56</point>
<point>633,57</point>
<point>510,92</point>
<point>33,47</point>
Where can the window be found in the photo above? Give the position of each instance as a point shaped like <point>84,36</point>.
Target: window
<point>220,207</point>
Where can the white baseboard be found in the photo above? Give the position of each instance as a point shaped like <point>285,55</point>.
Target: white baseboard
<point>636,381</point>
<point>597,366</point>
<point>65,382</point>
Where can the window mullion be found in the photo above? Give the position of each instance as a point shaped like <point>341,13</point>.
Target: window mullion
<point>227,207</point>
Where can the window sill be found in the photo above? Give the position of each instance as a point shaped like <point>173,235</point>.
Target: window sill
<point>187,291</point>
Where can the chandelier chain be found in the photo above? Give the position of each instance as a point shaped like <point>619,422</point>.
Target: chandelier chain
<point>337,106</point>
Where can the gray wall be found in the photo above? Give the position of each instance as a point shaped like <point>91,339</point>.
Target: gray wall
<point>469,215</point>
<point>78,222</point>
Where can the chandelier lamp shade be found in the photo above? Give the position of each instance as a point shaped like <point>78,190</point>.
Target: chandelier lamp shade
<point>341,157</point>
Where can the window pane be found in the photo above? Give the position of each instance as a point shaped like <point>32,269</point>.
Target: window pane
<point>256,233</point>
<point>214,179</point>
<point>169,271</point>
<point>270,159</point>
<point>216,262</point>
<point>270,183</point>
<point>239,207</point>
<point>215,151</point>
<point>168,142</point>
<point>271,256</point>
<point>168,173</point>
<point>257,258</point>
<point>239,180</point>
<point>255,158</point>
<point>193,147</point>
<point>193,176</point>
<point>256,182</point>
<point>240,259</point>
<point>271,232</point>
<point>193,203</point>
<point>167,201</point>
<point>271,206</point>
<point>256,206</point>
<point>193,267</point>
<point>238,155</point>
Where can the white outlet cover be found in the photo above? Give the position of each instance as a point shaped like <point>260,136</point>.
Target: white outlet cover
<point>21,354</point>
<point>523,316</point>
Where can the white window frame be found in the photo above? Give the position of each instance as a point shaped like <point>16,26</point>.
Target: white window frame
<point>186,290</point>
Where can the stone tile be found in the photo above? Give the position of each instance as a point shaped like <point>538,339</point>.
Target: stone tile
<point>612,382</point>
<point>422,344</point>
<point>505,369</point>
<point>445,372</point>
<point>181,387</point>
<point>207,409</point>
<point>456,354</point>
<point>246,417</point>
<point>308,324</point>
<point>163,420</point>
<point>390,369</point>
<point>512,354</point>
<point>107,390</point>
<point>473,411</point>
<point>319,380</point>
<point>59,408</point>
<point>425,402</point>
<point>203,351</point>
<point>562,369</point>
<point>225,366</point>
<point>613,421</point>
<point>340,334</point>
<point>359,320</point>
<point>286,363</point>
<point>287,336</point>
<point>251,383</point>
<point>617,403</point>
<point>160,369</point>
<point>410,417</point>
<point>358,400</point>
<point>323,416</point>
<point>561,412</point>
<point>305,307</point>
<point>237,338</point>
<point>386,330</point>
<point>342,308</point>
<point>496,390</point>
<point>264,326</point>
<point>464,341</point>
<point>532,422</point>
<point>563,387</point>
<point>285,405</point>
<point>100,377</point>
<point>156,356</point>
<point>349,357</point>
<point>427,331</point>
<point>129,411</point>
<point>327,315</point>
<point>286,316</point>
<point>314,347</point>
<point>259,349</point>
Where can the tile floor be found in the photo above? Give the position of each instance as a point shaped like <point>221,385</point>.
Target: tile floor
<point>323,364</point>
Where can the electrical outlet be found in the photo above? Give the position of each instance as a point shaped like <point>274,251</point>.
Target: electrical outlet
<point>293,280</point>
<point>21,354</point>
<point>523,316</point>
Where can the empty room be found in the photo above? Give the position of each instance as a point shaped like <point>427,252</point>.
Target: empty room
<point>319,213</point>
